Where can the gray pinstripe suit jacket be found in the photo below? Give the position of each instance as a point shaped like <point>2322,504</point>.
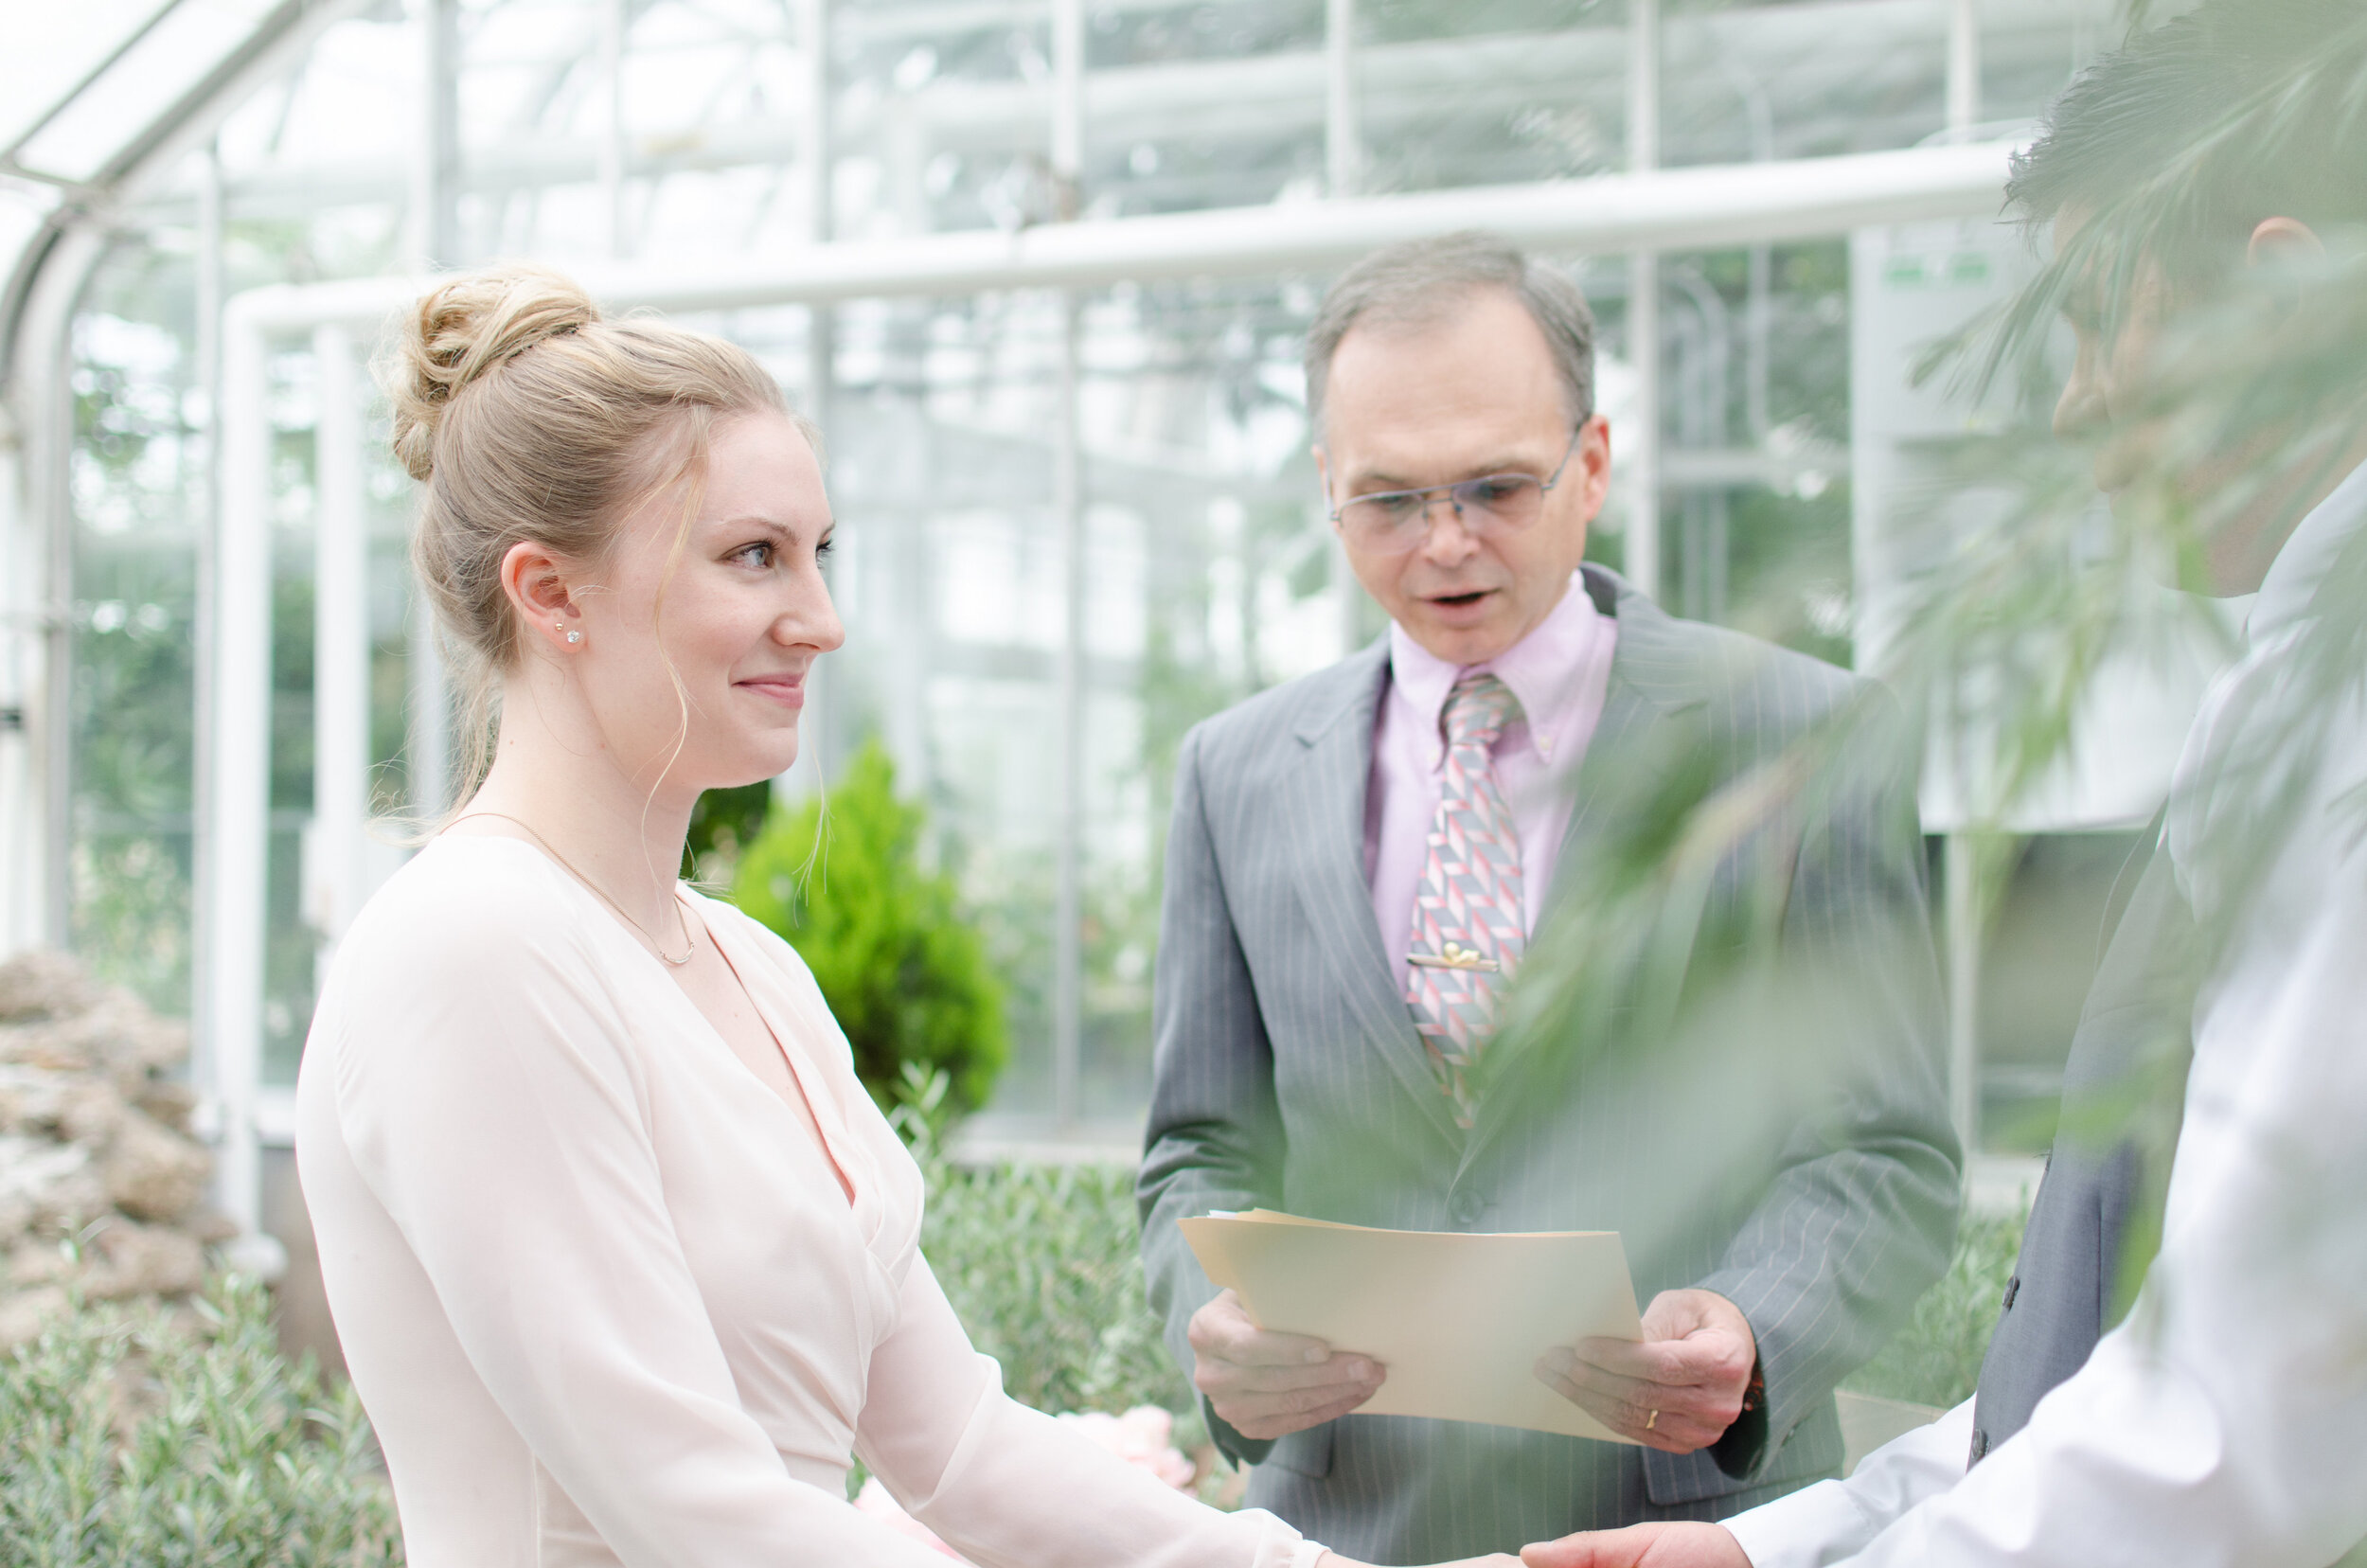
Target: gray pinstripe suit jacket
<point>1287,1074</point>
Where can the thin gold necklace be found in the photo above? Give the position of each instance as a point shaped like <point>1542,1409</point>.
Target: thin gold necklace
<point>690,943</point>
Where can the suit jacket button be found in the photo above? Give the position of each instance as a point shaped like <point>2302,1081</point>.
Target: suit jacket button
<point>1467,1207</point>
<point>1980,1446</point>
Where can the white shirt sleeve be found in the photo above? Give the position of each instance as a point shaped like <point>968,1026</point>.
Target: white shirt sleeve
<point>2224,1424</point>
<point>1833,1519</point>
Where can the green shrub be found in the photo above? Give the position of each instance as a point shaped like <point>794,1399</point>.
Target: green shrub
<point>128,1438</point>
<point>905,973</point>
<point>1937,1359</point>
<point>1043,1265</point>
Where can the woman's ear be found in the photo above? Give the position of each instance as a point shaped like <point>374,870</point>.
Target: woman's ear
<point>534,578</point>
<point>2283,240</point>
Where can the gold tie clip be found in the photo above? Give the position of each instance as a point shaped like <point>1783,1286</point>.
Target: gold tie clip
<point>1455,956</point>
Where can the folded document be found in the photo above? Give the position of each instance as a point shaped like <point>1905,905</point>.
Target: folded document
<point>1459,1320</point>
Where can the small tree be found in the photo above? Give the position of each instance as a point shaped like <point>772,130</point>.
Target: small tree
<point>905,973</point>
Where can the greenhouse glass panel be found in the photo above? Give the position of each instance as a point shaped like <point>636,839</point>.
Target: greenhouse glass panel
<point>601,134</point>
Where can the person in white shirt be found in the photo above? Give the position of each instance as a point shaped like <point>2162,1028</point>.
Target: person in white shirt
<point>623,1259</point>
<point>2224,1420</point>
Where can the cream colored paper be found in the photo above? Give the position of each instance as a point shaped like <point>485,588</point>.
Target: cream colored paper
<point>1459,1320</point>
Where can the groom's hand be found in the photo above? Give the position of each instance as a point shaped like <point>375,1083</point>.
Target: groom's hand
<point>1268,1385</point>
<point>1677,1390</point>
<point>1640,1546</point>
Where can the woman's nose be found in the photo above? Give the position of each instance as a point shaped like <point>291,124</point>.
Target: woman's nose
<point>810,625</point>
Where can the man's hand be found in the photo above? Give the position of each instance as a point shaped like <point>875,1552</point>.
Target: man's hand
<point>1269,1385</point>
<point>1677,1391</point>
<point>1640,1546</point>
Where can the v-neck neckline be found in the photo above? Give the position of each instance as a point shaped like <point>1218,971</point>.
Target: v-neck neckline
<point>830,1146</point>
<point>790,1059</point>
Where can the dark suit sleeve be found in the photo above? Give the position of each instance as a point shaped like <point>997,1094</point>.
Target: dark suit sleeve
<point>1860,1215</point>
<point>1215,1138</point>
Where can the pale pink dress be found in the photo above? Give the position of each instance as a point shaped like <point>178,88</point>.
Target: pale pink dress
<point>602,1293</point>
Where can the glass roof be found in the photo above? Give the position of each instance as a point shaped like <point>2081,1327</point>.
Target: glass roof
<point>81,84</point>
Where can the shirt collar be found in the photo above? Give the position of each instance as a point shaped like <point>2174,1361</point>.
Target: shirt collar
<point>2293,576</point>
<point>1541,669</point>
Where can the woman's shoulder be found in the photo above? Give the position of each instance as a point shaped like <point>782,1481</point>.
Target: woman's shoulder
<point>465,903</point>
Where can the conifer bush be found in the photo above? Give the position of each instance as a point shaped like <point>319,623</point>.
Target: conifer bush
<point>884,934</point>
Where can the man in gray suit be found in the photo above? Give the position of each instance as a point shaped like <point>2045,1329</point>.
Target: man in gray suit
<point>1361,860</point>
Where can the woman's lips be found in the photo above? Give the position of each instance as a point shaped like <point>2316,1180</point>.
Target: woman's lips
<point>787,691</point>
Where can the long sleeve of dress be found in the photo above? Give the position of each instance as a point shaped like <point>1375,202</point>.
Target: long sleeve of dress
<point>1012,1488</point>
<point>503,1133</point>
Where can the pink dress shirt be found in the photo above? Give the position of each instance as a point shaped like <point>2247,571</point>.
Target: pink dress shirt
<point>1560,672</point>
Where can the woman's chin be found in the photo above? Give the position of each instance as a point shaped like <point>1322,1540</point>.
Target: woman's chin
<point>768,763</point>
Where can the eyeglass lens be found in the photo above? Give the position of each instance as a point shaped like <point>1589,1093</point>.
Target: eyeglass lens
<point>1508,500</point>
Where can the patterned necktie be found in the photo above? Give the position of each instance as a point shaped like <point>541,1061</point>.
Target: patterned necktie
<point>1468,928</point>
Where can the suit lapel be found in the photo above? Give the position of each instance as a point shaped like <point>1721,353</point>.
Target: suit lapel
<point>1334,772</point>
<point>1653,678</point>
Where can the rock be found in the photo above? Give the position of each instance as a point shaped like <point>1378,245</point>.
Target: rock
<point>32,1263</point>
<point>91,1112</point>
<point>53,1045</point>
<point>210,1227</point>
<point>31,1096</point>
<point>23,1315</point>
<point>152,1172</point>
<point>172,1104</point>
<point>58,1182</point>
<point>128,1259</point>
<point>43,984</point>
<point>100,1184</point>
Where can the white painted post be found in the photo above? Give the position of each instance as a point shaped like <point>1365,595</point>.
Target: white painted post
<point>1963,66</point>
<point>335,865</point>
<point>237,797</point>
<point>435,199</point>
<point>1638,450</point>
<point>1068,506</point>
<point>1343,138</point>
<point>615,22</point>
<point>1959,871</point>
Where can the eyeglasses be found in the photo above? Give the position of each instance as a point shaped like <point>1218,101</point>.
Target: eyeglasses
<point>1394,522</point>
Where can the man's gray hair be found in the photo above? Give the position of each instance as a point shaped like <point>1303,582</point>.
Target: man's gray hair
<point>1416,282</point>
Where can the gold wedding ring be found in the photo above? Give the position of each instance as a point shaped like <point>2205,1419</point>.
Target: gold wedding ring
<point>1652,1420</point>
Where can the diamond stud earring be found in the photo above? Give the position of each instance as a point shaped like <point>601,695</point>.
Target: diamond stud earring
<point>575,636</point>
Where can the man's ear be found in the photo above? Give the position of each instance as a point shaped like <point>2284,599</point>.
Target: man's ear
<point>2283,240</point>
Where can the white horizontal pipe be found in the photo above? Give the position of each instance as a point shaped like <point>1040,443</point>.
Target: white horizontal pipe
<point>1665,210</point>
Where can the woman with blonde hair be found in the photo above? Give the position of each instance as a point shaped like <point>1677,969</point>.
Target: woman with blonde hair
<point>622,1256</point>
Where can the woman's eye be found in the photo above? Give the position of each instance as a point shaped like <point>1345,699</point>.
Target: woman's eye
<point>758,553</point>
<point>822,551</point>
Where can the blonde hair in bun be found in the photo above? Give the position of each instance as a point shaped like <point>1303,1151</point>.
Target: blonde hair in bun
<point>527,414</point>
